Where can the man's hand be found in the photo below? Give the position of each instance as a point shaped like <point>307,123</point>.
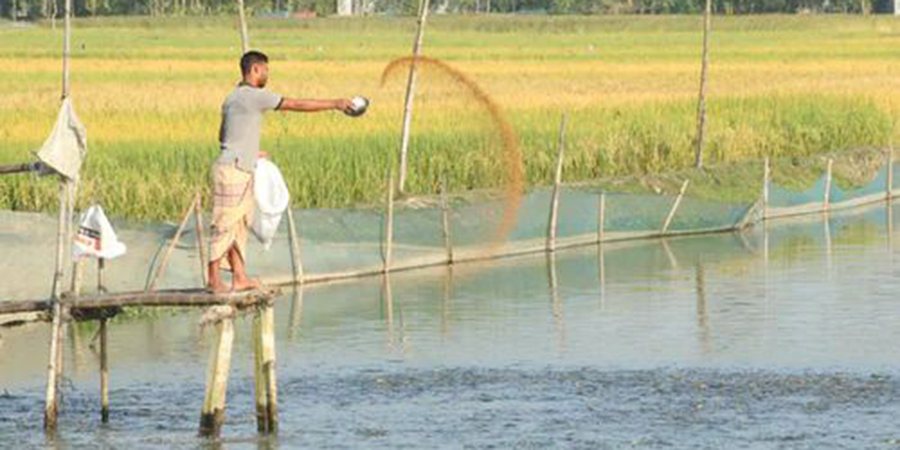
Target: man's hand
<point>344,105</point>
<point>262,154</point>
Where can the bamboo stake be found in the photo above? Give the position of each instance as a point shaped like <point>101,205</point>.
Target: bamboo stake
<point>213,413</point>
<point>296,314</point>
<point>268,366</point>
<point>296,260</point>
<point>410,94</point>
<point>245,39</point>
<point>672,211</point>
<point>389,224</point>
<point>67,46</point>
<point>262,425</point>
<point>104,373</point>
<point>104,361</point>
<point>767,169</point>
<point>51,405</point>
<point>165,261</point>
<point>827,200</point>
<point>557,180</point>
<point>445,221</point>
<point>701,103</point>
<point>601,217</point>
<point>201,242</point>
<point>77,276</point>
<point>890,172</point>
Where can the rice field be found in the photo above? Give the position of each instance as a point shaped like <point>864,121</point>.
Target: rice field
<point>149,91</point>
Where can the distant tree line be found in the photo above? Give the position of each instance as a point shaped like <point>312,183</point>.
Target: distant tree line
<point>42,9</point>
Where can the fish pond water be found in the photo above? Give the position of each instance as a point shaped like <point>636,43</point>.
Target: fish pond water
<point>785,336</point>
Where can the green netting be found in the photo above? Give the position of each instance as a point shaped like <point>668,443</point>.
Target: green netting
<point>636,212</point>
<point>780,197</point>
<point>875,187</point>
<point>696,214</point>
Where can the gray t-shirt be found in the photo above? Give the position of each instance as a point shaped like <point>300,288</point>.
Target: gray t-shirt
<point>239,133</point>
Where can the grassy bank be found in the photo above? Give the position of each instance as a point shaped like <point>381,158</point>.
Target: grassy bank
<point>149,92</point>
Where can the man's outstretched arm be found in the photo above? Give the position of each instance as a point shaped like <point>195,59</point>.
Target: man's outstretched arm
<point>310,105</point>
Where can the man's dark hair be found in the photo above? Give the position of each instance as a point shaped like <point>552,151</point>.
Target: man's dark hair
<point>250,58</point>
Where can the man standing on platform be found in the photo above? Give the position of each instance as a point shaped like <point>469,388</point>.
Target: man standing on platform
<point>232,172</point>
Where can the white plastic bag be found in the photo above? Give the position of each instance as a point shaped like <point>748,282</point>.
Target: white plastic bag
<point>96,237</point>
<point>272,199</point>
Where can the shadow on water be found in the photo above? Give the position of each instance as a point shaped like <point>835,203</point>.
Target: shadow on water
<point>783,335</point>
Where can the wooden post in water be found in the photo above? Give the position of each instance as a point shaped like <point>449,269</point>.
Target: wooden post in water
<point>890,172</point>
<point>389,224</point>
<point>201,242</point>
<point>765,188</point>
<point>165,261</point>
<point>213,414</point>
<point>827,198</point>
<point>557,181</point>
<point>104,359</point>
<point>264,369</point>
<point>445,221</point>
<point>296,261</point>
<point>57,334</point>
<point>674,209</point>
<point>410,94</point>
<point>245,39</point>
<point>601,217</point>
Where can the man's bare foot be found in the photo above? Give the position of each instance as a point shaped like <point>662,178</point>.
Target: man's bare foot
<point>217,288</point>
<point>247,284</point>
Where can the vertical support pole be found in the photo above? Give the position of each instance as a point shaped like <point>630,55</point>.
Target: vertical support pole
<point>104,359</point>
<point>104,373</point>
<point>601,217</point>
<point>445,221</point>
<point>767,173</point>
<point>201,241</point>
<point>213,414</point>
<point>54,366</point>
<point>264,356</point>
<point>890,172</point>
<point>165,260</point>
<point>296,260</point>
<point>67,46</point>
<point>245,38</point>
<point>389,224</point>
<point>826,201</point>
<point>410,94</point>
<point>557,180</point>
<point>701,103</point>
<point>674,209</point>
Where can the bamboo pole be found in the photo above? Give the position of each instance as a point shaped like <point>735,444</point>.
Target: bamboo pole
<point>296,259</point>
<point>213,413</point>
<point>557,180</point>
<point>268,366</point>
<point>201,242</point>
<point>67,46</point>
<point>445,221</point>
<point>104,359</point>
<point>165,260</point>
<point>701,103</point>
<point>57,333</point>
<point>296,314</point>
<point>410,94</point>
<point>601,217</point>
<point>890,172</point>
<point>245,38</point>
<point>674,209</point>
<point>18,168</point>
<point>389,224</point>
<point>826,201</point>
<point>104,373</point>
<point>767,172</point>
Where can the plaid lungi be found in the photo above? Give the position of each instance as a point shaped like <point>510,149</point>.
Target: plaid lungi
<point>232,214</point>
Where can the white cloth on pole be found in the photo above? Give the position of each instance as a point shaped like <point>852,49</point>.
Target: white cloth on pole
<point>65,148</point>
<point>272,200</point>
<point>96,237</point>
